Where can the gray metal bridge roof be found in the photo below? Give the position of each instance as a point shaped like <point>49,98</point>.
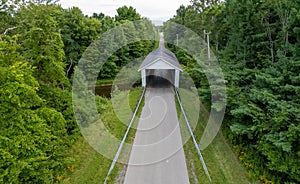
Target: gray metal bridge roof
<point>163,54</point>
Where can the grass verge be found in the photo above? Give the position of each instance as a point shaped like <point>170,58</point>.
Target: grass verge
<point>223,165</point>
<point>104,81</point>
<point>92,167</point>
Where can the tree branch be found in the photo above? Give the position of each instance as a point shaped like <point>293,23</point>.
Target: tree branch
<point>69,67</point>
<point>6,31</point>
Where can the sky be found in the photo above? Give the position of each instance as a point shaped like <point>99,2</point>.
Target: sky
<point>156,10</point>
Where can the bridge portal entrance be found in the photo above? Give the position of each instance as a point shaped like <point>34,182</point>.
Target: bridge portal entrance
<point>158,78</point>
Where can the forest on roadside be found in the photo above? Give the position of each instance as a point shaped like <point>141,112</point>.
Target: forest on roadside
<point>40,46</point>
<point>257,44</point>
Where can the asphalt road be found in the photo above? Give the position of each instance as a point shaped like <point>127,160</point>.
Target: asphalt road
<point>157,156</point>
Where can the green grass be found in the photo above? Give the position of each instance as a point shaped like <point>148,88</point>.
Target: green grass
<point>89,166</point>
<point>92,167</point>
<point>104,81</point>
<point>133,98</point>
<point>222,163</point>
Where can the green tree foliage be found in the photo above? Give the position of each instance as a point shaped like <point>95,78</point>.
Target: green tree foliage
<point>37,123</point>
<point>257,43</point>
<point>127,13</point>
<point>33,136</point>
<point>78,32</point>
<point>133,29</point>
<point>40,45</point>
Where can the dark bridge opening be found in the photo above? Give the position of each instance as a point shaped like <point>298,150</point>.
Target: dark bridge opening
<point>160,78</point>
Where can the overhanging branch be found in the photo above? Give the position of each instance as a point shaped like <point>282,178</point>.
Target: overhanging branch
<point>6,31</point>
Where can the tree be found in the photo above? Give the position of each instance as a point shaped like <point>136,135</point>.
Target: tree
<point>258,49</point>
<point>127,13</point>
<point>32,136</point>
<point>78,32</point>
<point>202,5</point>
<point>42,43</point>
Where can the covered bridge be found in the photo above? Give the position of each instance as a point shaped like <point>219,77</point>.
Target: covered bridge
<point>161,64</point>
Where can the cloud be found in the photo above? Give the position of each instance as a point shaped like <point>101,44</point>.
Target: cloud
<point>152,9</point>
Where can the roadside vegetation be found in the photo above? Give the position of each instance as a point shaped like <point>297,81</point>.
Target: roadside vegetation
<point>257,46</point>
<point>40,47</point>
<point>91,166</point>
<point>220,157</point>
